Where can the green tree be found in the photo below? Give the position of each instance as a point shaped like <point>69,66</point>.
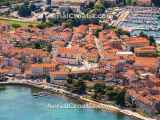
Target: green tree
<point>48,79</point>
<point>106,26</point>
<point>70,81</point>
<point>15,25</point>
<point>120,100</point>
<point>99,90</point>
<point>99,7</point>
<point>130,2</point>
<point>69,23</point>
<point>120,32</point>
<point>33,7</point>
<point>111,93</point>
<point>44,18</point>
<point>152,40</point>
<point>42,25</point>
<point>87,8</point>
<point>86,77</point>
<point>158,107</point>
<point>156,2</point>
<point>24,10</point>
<point>97,32</point>
<point>40,44</point>
<point>49,48</point>
<point>142,34</point>
<point>80,87</point>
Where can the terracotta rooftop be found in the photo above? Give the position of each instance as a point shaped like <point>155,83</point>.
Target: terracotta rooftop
<point>146,61</point>
<point>136,40</point>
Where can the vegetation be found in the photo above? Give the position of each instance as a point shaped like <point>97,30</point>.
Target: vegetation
<point>152,41</point>
<point>69,81</point>
<point>8,2</point>
<point>99,7</point>
<point>156,3</point>
<point>51,22</point>
<point>142,34</point>
<point>158,53</point>
<point>72,22</point>
<point>16,25</point>
<point>79,87</point>
<point>111,93</point>
<point>48,79</point>
<point>130,2</point>
<point>106,26</point>
<point>44,25</point>
<point>39,44</point>
<point>120,100</point>
<point>86,77</point>
<point>99,90</point>
<point>87,8</point>
<point>42,45</point>
<point>12,22</point>
<point>120,32</point>
<point>97,32</point>
<point>44,19</point>
<point>158,108</point>
<point>25,10</point>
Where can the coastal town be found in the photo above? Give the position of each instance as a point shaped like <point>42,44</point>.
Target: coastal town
<point>112,60</point>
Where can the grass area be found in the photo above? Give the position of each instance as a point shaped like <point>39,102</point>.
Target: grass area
<point>6,2</point>
<point>158,53</point>
<point>17,22</point>
<point>130,2</point>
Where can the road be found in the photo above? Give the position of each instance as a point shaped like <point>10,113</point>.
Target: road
<point>122,17</point>
<point>99,47</point>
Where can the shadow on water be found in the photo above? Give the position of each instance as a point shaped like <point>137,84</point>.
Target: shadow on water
<point>2,88</point>
<point>36,90</point>
<point>120,116</point>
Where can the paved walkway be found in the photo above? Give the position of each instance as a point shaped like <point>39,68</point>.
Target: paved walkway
<point>92,102</point>
<point>116,109</point>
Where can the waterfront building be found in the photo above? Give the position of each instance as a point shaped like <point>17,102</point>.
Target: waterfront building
<point>3,73</point>
<point>42,69</point>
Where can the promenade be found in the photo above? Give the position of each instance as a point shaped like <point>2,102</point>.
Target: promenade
<point>54,88</point>
<point>116,109</point>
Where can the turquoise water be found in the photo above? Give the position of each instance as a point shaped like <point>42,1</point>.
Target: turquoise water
<point>17,103</point>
